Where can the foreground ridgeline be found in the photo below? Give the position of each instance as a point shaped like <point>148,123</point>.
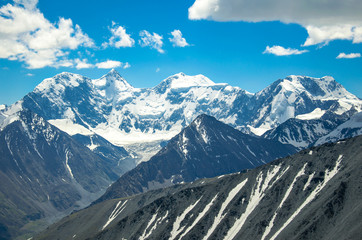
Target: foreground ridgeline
<point>314,194</point>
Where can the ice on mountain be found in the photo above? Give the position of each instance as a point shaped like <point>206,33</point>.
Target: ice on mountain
<point>315,114</point>
<point>68,126</point>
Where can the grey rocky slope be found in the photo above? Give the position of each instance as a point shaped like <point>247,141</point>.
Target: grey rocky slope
<point>206,148</point>
<point>45,174</point>
<point>122,114</point>
<point>314,194</point>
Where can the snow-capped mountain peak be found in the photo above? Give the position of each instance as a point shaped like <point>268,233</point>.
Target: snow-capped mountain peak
<point>60,81</point>
<point>183,81</point>
<point>324,88</point>
<point>301,95</point>
<point>111,84</point>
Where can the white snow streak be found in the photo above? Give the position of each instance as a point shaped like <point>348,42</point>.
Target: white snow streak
<point>271,223</point>
<point>66,163</point>
<point>308,181</point>
<point>328,176</point>
<point>145,235</point>
<point>176,229</point>
<point>116,211</point>
<point>200,216</point>
<point>256,196</point>
<point>160,220</point>
<point>220,215</point>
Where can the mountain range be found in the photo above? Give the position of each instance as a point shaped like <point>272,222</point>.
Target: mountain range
<point>122,114</point>
<point>314,194</point>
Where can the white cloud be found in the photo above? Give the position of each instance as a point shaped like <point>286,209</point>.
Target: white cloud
<point>157,70</point>
<point>325,34</point>
<point>350,55</point>
<point>151,40</point>
<point>324,20</point>
<point>109,64</point>
<point>119,38</point>
<point>27,36</point>
<point>29,74</point>
<point>177,39</point>
<point>281,51</point>
<point>126,65</point>
<point>81,64</point>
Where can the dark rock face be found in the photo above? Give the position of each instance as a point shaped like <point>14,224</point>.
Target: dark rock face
<point>45,173</point>
<point>206,148</point>
<point>314,194</point>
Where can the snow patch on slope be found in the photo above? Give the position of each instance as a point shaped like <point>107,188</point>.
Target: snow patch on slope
<point>68,126</point>
<point>315,114</point>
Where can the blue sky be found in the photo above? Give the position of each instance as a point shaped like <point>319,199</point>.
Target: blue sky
<point>216,38</point>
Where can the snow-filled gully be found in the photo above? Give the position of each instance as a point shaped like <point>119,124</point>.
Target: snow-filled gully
<point>177,229</point>
<point>271,223</point>
<point>328,176</point>
<point>220,216</point>
<point>258,193</point>
<point>154,223</point>
<point>116,211</point>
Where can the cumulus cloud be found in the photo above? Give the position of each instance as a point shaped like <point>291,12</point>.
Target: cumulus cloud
<point>324,20</point>
<point>81,64</point>
<point>177,39</point>
<point>325,34</point>
<point>281,51</point>
<point>119,38</point>
<point>151,40</point>
<point>109,64</point>
<point>350,55</point>
<point>27,36</point>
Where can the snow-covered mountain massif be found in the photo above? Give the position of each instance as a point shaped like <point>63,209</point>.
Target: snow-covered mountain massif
<point>122,114</point>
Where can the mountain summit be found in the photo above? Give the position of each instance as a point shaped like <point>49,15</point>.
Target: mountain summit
<point>206,148</point>
<point>111,85</point>
<point>182,81</point>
